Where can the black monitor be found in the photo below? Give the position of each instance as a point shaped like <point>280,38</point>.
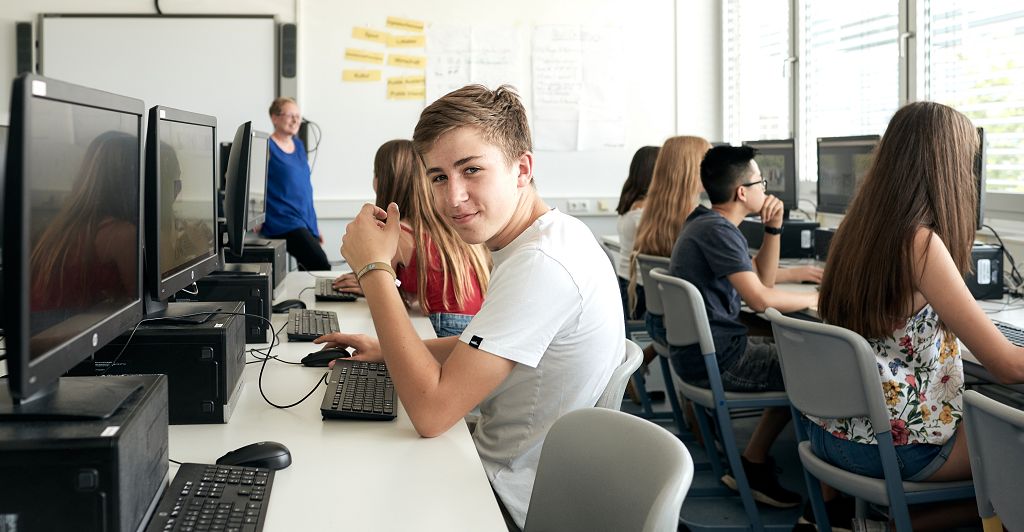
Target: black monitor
<point>245,190</point>
<point>3,163</point>
<point>181,203</point>
<point>842,163</point>
<point>979,176</point>
<point>777,161</point>
<point>72,223</point>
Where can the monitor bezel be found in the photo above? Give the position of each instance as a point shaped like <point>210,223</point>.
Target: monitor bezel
<point>791,197</point>
<point>252,223</point>
<point>979,177</point>
<point>823,205</point>
<point>162,288</point>
<point>236,188</point>
<point>27,378</point>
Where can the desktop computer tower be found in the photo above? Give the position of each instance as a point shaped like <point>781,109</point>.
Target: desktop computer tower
<point>822,240</point>
<point>986,281</point>
<point>203,363</point>
<point>87,475</point>
<point>797,240</point>
<point>270,251</point>
<point>248,283</point>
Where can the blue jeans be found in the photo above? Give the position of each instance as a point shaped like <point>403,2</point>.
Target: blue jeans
<point>917,461</point>
<point>449,324</point>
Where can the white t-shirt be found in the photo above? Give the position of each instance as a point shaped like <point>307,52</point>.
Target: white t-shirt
<point>627,225</point>
<point>552,306</point>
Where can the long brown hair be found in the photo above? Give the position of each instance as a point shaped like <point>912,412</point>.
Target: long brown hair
<point>671,197</point>
<point>921,177</point>
<point>400,178</point>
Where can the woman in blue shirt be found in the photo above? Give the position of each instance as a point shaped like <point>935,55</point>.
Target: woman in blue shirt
<point>290,213</point>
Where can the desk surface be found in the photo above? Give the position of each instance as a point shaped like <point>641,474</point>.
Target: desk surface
<point>352,475</point>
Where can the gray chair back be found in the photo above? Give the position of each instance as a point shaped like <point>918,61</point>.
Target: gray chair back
<point>612,396</point>
<point>591,475</point>
<point>644,264</point>
<point>995,439</point>
<point>687,324</point>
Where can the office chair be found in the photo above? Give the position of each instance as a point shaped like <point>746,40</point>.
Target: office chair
<point>686,321</point>
<point>612,396</point>
<point>644,264</point>
<point>808,350</point>
<point>601,469</point>
<point>995,439</point>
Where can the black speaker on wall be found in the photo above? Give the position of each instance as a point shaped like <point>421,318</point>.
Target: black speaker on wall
<point>23,47</point>
<point>289,40</point>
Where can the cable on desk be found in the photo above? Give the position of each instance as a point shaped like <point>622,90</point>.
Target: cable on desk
<point>173,461</point>
<point>1014,273</point>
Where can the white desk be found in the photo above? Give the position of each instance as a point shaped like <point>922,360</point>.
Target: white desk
<point>351,475</point>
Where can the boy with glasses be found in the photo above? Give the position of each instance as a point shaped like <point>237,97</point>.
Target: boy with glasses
<point>711,253</point>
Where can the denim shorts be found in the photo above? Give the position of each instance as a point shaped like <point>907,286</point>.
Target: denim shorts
<point>656,328</point>
<point>449,324</point>
<point>917,461</point>
<point>756,369</point>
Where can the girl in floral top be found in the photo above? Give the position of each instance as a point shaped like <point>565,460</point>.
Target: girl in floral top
<point>895,276</point>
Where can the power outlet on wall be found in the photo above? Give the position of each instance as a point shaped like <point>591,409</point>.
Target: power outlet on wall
<point>578,206</point>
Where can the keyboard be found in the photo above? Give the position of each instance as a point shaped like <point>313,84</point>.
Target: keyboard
<point>1012,333</point>
<point>359,390</point>
<point>306,325</point>
<point>325,291</point>
<point>214,497</point>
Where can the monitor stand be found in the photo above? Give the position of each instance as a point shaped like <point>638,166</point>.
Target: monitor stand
<point>69,398</point>
<point>253,240</point>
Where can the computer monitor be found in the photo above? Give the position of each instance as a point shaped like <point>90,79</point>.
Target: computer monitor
<point>3,163</point>
<point>979,176</point>
<point>245,190</point>
<point>842,163</point>
<point>777,161</point>
<point>181,203</point>
<point>72,222</point>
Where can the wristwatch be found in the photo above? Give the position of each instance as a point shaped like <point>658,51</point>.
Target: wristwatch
<point>772,230</point>
<point>376,266</point>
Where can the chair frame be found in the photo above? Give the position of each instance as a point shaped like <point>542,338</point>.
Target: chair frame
<point>995,435</point>
<point>612,395</point>
<point>644,265</point>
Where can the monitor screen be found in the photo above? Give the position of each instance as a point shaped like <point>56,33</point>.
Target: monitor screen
<point>245,187</point>
<point>181,216</point>
<point>257,180</point>
<point>777,162</point>
<point>842,164</point>
<point>72,219</point>
<point>3,163</point>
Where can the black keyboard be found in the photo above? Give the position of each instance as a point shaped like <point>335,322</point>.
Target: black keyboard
<point>306,325</point>
<point>214,497</point>
<point>359,390</point>
<point>325,291</point>
<point>1012,333</point>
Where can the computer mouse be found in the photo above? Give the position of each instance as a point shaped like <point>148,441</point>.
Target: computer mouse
<point>287,304</point>
<point>269,454</point>
<point>323,357</point>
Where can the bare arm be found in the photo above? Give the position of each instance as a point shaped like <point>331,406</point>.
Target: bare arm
<point>798,274</point>
<point>759,297</point>
<point>942,286</point>
<point>766,262</point>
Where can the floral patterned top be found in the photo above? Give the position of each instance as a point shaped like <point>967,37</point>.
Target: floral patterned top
<point>923,380</point>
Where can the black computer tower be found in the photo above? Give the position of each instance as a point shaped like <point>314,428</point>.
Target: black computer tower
<point>93,475</point>
<point>203,363</point>
<point>822,240</point>
<point>986,281</point>
<point>797,240</point>
<point>271,251</point>
<point>248,283</point>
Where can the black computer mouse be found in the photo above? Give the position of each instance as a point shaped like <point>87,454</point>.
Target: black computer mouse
<point>323,357</point>
<point>287,304</point>
<point>269,454</point>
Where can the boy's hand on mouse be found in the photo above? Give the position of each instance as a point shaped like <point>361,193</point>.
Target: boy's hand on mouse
<point>372,236</point>
<point>365,348</point>
<point>346,282</point>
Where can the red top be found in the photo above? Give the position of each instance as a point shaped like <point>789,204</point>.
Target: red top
<point>409,276</point>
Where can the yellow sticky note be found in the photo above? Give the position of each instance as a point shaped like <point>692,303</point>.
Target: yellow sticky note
<point>405,24</point>
<point>407,61</point>
<point>364,56</point>
<point>407,93</point>
<point>360,75</point>
<point>368,34</point>
<point>406,81</point>
<point>407,41</point>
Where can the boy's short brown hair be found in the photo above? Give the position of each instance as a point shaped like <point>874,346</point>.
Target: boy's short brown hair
<point>499,114</point>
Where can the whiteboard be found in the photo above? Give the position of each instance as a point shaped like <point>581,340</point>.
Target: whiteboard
<point>356,118</point>
<point>219,66</point>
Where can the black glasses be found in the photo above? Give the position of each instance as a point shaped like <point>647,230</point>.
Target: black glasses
<point>763,182</point>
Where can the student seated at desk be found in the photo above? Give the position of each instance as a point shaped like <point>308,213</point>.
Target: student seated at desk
<point>895,276</point>
<point>447,276</point>
<point>630,209</point>
<point>549,333</point>
<point>712,254</point>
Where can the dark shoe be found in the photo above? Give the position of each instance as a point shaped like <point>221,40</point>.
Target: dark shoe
<point>764,485</point>
<point>840,513</point>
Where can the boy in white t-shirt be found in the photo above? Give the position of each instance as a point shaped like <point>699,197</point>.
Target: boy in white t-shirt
<point>549,333</point>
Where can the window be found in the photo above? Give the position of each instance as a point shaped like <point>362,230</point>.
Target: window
<point>973,62</point>
<point>756,81</point>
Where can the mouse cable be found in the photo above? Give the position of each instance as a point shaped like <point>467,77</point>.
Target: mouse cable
<point>173,461</point>
<point>259,382</point>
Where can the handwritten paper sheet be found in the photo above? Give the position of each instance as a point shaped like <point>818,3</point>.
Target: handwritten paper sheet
<point>448,53</point>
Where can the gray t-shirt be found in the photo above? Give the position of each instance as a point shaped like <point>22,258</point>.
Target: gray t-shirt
<point>708,250</point>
